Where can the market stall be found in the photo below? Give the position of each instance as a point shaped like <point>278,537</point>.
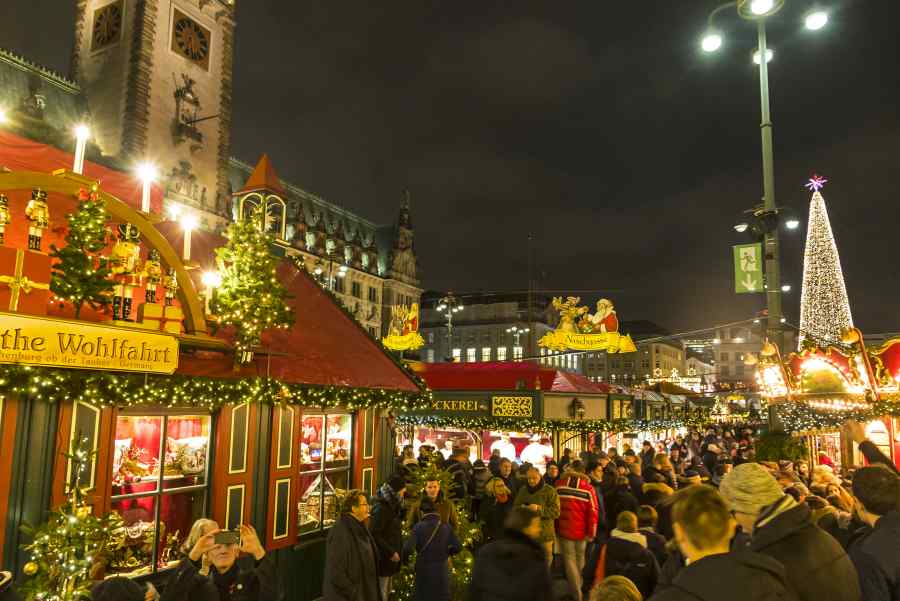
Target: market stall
<point>813,391</point>
<point>187,415</point>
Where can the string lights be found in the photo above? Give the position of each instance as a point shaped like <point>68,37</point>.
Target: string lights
<point>128,390</point>
<point>810,416</point>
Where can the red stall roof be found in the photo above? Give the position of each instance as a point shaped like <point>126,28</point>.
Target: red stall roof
<point>504,376</point>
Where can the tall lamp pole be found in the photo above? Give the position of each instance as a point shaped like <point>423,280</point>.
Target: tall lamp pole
<point>449,306</point>
<point>517,333</point>
<point>759,11</point>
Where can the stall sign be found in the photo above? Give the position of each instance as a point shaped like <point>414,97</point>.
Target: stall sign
<point>512,406</point>
<point>581,330</point>
<point>26,340</point>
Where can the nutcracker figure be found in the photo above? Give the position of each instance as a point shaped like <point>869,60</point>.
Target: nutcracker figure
<point>38,214</point>
<point>170,283</point>
<point>153,273</point>
<point>4,217</point>
<point>124,260</point>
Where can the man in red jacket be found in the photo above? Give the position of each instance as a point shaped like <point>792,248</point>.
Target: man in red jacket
<point>576,525</point>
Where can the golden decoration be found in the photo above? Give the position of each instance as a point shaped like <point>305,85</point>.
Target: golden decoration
<point>30,568</point>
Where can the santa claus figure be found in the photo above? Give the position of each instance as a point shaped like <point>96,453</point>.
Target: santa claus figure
<point>604,320</point>
<point>412,320</point>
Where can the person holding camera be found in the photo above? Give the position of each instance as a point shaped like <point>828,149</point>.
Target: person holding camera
<point>226,580</point>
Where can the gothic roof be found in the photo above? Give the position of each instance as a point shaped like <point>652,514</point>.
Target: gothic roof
<point>263,178</point>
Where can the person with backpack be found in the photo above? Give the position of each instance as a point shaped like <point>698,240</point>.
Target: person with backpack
<point>626,554</point>
<point>386,526</point>
<point>433,541</point>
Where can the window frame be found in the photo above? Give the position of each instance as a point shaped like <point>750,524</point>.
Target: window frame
<point>322,471</point>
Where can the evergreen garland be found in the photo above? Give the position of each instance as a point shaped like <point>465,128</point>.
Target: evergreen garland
<point>250,298</point>
<point>81,275</point>
<point>66,548</point>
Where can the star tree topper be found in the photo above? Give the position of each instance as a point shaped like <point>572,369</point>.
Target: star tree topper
<point>816,183</point>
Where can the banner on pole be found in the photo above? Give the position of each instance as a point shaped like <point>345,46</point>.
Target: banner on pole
<point>748,268</point>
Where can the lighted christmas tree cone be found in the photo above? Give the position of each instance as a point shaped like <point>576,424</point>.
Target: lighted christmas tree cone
<point>824,306</point>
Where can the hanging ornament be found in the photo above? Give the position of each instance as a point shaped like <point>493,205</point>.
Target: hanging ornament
<point>30,568</point>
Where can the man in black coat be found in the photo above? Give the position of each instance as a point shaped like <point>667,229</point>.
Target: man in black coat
<point>461,471</point>
<point>351,555</point>
<point>875,554</point>
<point>513,568</point>
<point>817,566</point>
<point>386,526</point>
<point>703,531</point>
<point>227,579</point>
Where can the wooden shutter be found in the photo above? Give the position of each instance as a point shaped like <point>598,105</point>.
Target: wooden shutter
<point>97,425</point>
<point>232,478</point>
<point>365,443</point>
<point>283,481</point>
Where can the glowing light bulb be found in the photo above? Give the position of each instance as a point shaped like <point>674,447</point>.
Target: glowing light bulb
<point>816,20</point>
<point>711,42</point>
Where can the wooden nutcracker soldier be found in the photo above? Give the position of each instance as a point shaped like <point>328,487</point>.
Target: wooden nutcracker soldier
<point>4,217</point>
<point>153,272</point>
<point>170,283</point>
<point>38,214</point>
<point>125,259</point>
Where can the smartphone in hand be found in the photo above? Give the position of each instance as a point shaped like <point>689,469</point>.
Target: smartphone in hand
<point>228,537</point>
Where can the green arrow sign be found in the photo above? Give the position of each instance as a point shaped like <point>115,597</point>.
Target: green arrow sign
<point>748,268</point>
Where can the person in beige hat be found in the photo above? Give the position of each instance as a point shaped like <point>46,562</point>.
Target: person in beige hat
<point>817,566</point>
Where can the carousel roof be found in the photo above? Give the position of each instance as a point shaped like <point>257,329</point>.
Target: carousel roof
<point>500,375</point>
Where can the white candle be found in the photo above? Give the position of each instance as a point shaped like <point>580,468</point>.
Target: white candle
<point>82,133</point>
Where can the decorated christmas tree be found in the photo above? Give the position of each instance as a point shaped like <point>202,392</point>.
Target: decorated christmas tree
<point>250,297</point>
<point>824,308</point>
<point>469,534</point>
<point>80,274</point>
<point>66,548</point>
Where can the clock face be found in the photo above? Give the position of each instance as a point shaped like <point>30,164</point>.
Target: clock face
<point>190,40</point>
<point>107,25</point>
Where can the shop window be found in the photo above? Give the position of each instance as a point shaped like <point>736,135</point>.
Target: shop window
<point>325,447</point>
<point>159,481</point>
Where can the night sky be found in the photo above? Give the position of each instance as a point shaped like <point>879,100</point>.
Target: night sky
<point>597,125</point>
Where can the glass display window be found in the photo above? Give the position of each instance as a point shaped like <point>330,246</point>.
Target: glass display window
<point>326,446</point>
<point>159,479</point>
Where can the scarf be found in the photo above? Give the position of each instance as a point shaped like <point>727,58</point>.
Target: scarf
<point>769,513</point>
<point>536,488</point>
<point>634,537</point>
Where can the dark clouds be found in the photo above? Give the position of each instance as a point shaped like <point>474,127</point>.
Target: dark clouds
<point>596,125</point>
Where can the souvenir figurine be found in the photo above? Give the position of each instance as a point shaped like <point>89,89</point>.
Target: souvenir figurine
<point>38,214</point>
<point>170,283</point>
<point>4,216</point>
<point>124,260</point>
<point>153,273</point>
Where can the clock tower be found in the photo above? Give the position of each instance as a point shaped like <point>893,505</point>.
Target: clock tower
<point>157,76</point>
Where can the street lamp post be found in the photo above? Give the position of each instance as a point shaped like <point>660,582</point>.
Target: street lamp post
<point>449,306</point>
<point>517,333</point>
<point>759,11</point>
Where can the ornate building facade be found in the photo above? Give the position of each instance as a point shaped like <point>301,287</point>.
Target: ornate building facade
<point>152,81</point>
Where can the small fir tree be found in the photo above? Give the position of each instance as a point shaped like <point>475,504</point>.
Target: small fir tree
<point>66,548</point>
<point>469,534</point>
<point>80,274</point>
<point>250,297</point>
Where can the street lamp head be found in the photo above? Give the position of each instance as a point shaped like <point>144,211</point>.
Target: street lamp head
<point>770,54</point>
<point>82,132</point>
<point>758,9</point>
<point>816,20</point>
<point>786,288</point>
<point>761,7</point>
<point>792,224</point>
<point>741,227</point>
<point>146,172</point>
<point>711,41</point>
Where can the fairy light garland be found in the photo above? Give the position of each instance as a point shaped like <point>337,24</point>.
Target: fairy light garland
<point>129,390</point>
<point>554,425</point>
<point>802,416</point>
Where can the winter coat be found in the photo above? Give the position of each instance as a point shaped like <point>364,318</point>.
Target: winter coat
<point>463,486</point>
<point>617,501</point>
<point>480,477</point>
<point>735,576</point>
<point>627,555</point>
<point>546,497</point>
<point>512,483</point>
<point>647,456</point>
<point>493,513</point>
<point>253,581</point>
<point>433,542</point>
<point>637,485</point>
<point>7,590</point>
<point>386,525</point>
<point>513,568</point>
<point>350,563</point>
<point>877,560</point>
<point>445,508</point>
<point>578,507</point>
<point>656,544</point>
<point>817,567</point>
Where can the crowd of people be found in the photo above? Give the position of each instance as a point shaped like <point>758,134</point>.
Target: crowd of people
<point>692,518</point>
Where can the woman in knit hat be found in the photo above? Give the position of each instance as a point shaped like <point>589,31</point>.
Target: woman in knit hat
<point>817,566</point>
